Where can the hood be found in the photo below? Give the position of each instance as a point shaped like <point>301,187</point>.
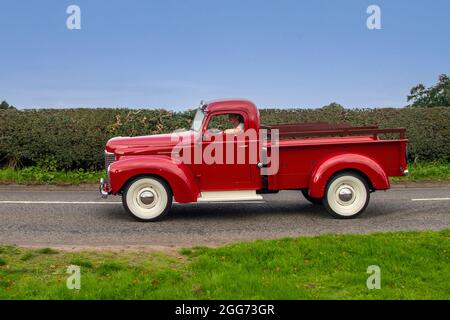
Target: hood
<point>145,144</point>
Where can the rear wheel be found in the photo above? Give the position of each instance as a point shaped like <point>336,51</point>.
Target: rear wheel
<point>315,201</point>
<point>147,198</point>
<point>346,195</point>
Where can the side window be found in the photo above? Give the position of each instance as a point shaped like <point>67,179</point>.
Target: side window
<point>228,123</point>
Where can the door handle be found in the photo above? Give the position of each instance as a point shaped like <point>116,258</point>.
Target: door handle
<point>243,146</point>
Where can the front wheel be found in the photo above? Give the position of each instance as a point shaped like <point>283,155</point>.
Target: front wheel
<point>346,195</point>
<point>147,198</point>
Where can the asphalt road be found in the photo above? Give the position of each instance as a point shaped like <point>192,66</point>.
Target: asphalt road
<point>83,219</point>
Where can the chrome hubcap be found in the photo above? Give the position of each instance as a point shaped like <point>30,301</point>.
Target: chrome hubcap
<point>147,197</point>
<point>345,194</point>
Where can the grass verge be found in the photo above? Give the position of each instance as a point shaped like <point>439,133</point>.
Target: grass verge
<point>426,172</point>
<point>35,175</point>
<point>414,265</point>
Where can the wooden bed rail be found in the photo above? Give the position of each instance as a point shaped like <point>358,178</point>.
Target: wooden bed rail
<point>325,129</point>
<point>312,126</point>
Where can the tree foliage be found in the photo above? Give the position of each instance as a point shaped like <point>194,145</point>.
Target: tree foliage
<point>434,96</point>
<point>5,105</point>
<point>333,106</point>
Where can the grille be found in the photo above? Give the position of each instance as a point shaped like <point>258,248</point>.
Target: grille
<point>109,158</point>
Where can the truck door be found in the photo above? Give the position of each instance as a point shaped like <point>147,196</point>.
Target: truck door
<point>224,146</point>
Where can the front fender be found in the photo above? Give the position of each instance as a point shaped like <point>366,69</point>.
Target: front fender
<point>177,174</point>
<point>325,170</point>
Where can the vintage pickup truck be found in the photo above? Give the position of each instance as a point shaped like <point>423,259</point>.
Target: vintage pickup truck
<point>336,165</point>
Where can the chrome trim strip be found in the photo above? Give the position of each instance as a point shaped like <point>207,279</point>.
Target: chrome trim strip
<point>168,152</point>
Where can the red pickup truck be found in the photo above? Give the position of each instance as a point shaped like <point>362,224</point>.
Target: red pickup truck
<point>227,155</point>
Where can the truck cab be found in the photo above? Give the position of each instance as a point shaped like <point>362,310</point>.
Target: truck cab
<point>227,155</point>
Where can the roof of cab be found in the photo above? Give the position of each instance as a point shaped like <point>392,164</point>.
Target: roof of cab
<point>234,104</point>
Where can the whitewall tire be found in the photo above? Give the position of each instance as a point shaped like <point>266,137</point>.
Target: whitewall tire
<point>147,198</point>
<point>346,195</point>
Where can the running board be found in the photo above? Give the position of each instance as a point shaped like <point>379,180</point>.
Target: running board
<point>223,196</point>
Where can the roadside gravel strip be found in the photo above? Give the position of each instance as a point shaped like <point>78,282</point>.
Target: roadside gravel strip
<point>67,218</point>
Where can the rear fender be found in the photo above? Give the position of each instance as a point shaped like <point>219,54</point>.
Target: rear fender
<point>325,170</point>
<point>176,174</point>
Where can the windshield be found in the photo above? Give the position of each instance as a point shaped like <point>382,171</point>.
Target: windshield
<point>198,120</point>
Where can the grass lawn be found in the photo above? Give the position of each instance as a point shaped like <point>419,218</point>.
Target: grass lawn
<point>35,175</point>
<point>414,265</point>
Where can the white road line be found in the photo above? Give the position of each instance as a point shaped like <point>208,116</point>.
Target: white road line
<point>108,202</point>
<point>431,199</point>
<point>58,202</point>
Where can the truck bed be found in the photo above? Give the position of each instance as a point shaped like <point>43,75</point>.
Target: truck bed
<point>302,147</point>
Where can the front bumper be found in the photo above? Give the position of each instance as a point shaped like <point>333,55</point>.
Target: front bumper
<point>104,188</point>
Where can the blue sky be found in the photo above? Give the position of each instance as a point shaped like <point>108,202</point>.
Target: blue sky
<point>173,53</point>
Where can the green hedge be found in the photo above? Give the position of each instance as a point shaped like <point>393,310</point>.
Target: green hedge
<point>75,138</point>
